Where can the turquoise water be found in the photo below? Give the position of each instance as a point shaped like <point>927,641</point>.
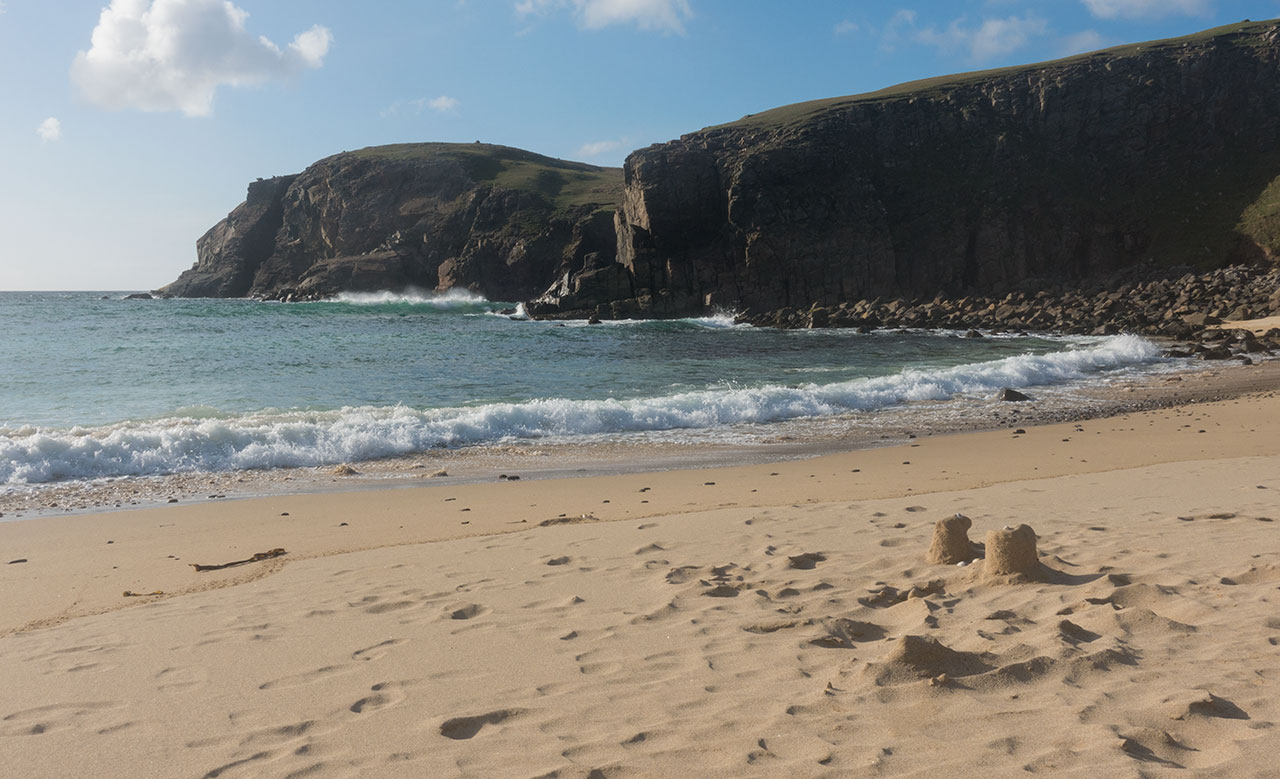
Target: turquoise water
<point>93,387</point>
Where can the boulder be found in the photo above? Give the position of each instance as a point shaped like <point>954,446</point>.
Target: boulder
<point>1012,396</point>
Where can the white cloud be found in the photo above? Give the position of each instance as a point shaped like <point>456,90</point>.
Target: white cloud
<point>172,55</point>
<point>661,15</point>
<point>443,104</point>
<point>992,38</point>
<point>1150,9</point>
<point>844,27</point>
<point>50,130</point>
<point>903,19</point>
<point>596,148</point>
<point>1086,40</point>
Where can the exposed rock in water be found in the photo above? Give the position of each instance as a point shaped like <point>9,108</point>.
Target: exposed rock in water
<point>494,220</point>
<point>1048,173</point>
<point>1013,396</point>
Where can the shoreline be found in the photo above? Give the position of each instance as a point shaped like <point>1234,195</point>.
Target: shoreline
<point>206,527</point>
<point>773,619</point>
<point>536,460</point>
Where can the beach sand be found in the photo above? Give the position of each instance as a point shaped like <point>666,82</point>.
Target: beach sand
<point>764,620</point>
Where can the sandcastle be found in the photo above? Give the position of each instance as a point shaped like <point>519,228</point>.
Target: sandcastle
<point>1011,555</point>
<point>951,543</point>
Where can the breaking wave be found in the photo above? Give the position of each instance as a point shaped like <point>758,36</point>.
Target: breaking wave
<point>453,298</point>
<point>203,441</point>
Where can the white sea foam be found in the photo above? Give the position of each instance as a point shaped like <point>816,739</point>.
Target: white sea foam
<point>453,298</point>
<point>716,321</point>
<point>720,319</point>
<point>300,438</point>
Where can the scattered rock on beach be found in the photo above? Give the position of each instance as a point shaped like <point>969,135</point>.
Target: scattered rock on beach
<point>1012,396</point>
<point>344,470</point>
<point>951,543</point>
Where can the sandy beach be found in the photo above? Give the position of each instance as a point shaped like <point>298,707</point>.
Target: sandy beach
<point>776,619</point>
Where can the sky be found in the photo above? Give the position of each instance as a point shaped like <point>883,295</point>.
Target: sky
<point>132,126</point>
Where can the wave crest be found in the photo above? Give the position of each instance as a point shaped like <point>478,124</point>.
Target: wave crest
<point>271,439</point>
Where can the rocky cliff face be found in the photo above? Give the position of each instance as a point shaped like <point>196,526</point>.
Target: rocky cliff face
<point>1167,151</point>
<point>490,219</point>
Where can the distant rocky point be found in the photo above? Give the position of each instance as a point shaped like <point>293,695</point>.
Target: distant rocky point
<point>1058,174</point>
<point>491,219</point>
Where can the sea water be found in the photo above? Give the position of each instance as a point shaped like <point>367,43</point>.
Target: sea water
<point>93,385</point>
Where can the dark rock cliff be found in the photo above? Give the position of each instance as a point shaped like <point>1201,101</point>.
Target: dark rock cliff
<point>491,219</point>
<point>1166,151</point>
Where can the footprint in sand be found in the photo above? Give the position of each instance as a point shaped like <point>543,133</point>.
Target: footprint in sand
<point>383,608</point>
<point>806,561</point>
<point>309,677</point>
<point>847,633</point>
<point>377,651</point>
<point>384,694</point>
<point>257,738</point>
<point>682,574</point>
<point>44,719</point>
<point>460,728</point>
<point>174,680</point>
<point>468,611</point>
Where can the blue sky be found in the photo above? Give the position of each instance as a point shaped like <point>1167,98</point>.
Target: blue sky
<point>132,126</point>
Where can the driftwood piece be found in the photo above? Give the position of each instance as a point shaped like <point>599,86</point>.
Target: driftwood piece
<point>259,557</point>
<point>132,594</point>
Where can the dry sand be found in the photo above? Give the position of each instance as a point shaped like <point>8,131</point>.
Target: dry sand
<point>1255,326</point>
<point>765,620</point>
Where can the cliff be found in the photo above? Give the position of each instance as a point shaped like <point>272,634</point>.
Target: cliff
<point>1157,154</point>
<point>495,220</point>
<point>1164,152</point>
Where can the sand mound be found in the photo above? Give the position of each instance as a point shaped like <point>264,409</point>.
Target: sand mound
<point>920,657</point>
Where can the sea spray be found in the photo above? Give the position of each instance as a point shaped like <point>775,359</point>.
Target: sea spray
<point>272,438</point>
<point>453,298</point>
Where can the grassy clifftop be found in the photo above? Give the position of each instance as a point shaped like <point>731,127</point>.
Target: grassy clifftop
<point>1243,33</point>
<point>562,182</point>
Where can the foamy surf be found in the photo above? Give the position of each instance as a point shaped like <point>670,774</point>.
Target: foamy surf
<point>453,298</point>
<point>310,438</point>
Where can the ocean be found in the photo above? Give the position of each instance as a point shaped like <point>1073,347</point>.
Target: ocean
<point>94,386</point>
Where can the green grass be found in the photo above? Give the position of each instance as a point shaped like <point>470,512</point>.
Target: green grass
<point>562,183</point>
<point>1242,33</point>
<point>1260,221</point>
